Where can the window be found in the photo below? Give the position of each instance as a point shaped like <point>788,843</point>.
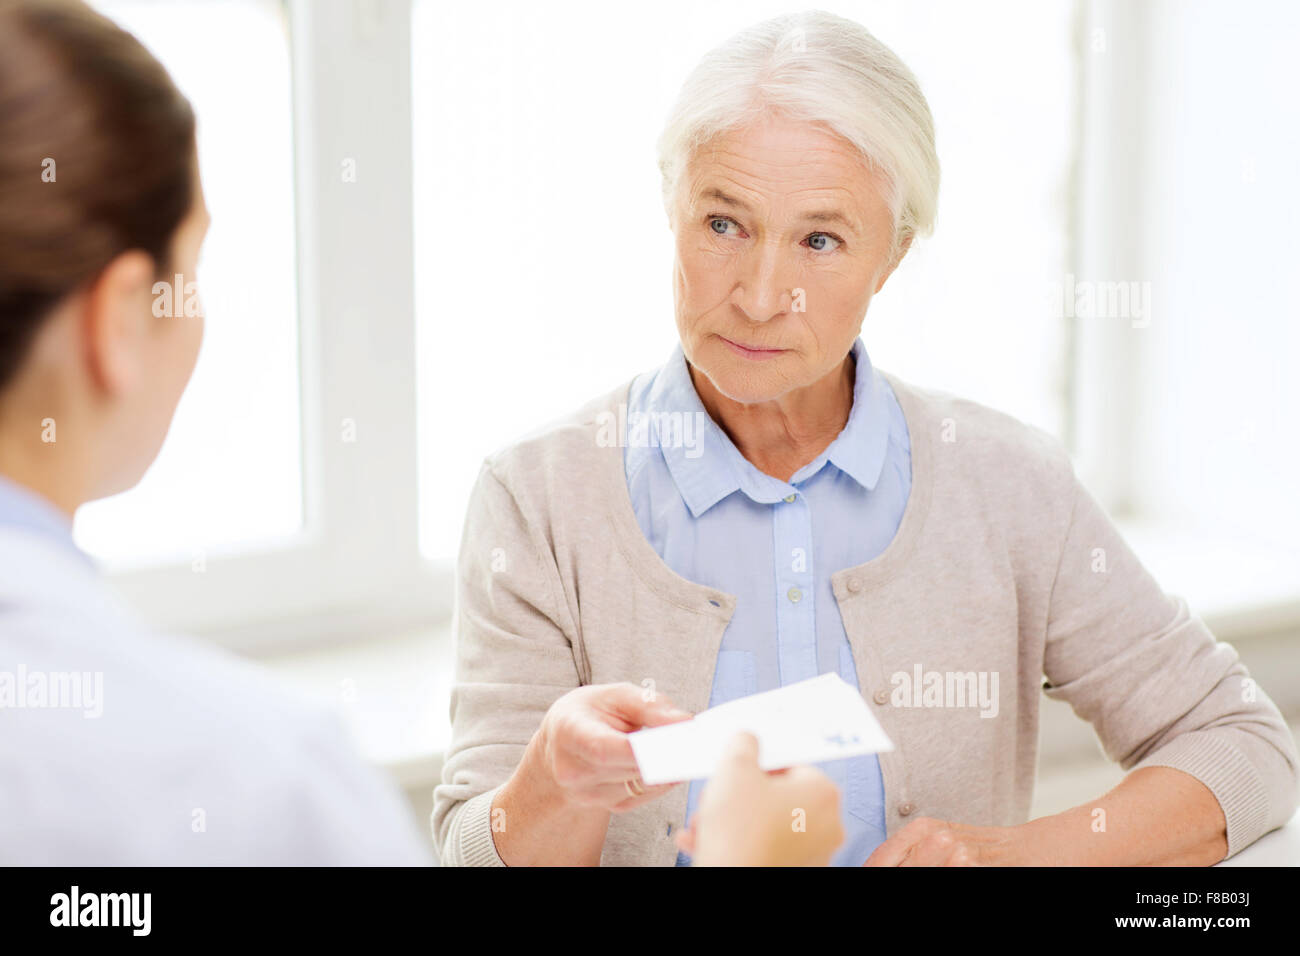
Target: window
<point>1187,412</point>
<point>543,252</point>
<point>1219,420</point>
<point>230,473</point>
<point>283,509</point>
<point>470,193</point>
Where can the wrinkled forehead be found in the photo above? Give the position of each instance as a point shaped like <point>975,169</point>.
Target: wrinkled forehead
<point>783,168</point>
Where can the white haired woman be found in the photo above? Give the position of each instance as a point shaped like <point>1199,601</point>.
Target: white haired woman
<point>825,517</point>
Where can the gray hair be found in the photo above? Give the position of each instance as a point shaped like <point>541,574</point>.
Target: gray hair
<point>819,68</point>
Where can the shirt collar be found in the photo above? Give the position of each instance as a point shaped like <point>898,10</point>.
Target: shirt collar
<point>22,508</point>
<point>859,449</point>
<point>711,467</point>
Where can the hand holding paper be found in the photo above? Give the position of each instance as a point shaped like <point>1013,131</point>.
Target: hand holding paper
<point>744,816</point>
<point>819,719</point>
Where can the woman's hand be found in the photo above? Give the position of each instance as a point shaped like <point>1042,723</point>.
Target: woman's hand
<point>1156,816</point>
<point>748,817</point>
<point>577,769</point>
<point>582,745</point>
<point>930,842</point>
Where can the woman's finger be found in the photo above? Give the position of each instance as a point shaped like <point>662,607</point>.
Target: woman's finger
<point>933,849</point>
<point>603,750</point>
<point>892,852</point>
<point>610,793</point>
<point>629,708</point>
<point>685,840</point>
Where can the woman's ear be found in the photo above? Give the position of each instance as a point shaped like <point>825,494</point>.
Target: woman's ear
<point>116,322</point>
<point>893,263</point>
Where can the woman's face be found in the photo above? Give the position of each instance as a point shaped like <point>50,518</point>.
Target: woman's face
<point>782,236</point>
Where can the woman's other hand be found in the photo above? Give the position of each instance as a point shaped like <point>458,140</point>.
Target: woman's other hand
<point>930,842</point>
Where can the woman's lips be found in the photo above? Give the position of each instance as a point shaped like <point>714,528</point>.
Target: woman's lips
<point>754,354</point>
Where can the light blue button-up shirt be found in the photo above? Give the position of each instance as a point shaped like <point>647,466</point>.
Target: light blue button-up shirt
<point>717,520</point>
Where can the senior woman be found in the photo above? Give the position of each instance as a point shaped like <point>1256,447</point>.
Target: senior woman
<point>825,517</point>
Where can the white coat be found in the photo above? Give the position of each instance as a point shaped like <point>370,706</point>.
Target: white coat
<point>119,746</point>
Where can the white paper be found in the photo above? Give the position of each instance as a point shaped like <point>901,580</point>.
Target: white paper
<point>815,720</point>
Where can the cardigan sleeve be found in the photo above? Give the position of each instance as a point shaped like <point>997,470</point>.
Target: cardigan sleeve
<point>1157,687</point>
<point>514,658</point>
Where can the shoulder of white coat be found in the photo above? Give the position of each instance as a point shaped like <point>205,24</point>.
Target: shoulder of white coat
<point>169,694</point>
<point>176,727</point>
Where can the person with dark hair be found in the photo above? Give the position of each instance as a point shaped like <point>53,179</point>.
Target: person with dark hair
<point>119,745</point>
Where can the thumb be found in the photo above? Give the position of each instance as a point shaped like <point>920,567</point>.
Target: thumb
<point>637,709</point>
<point>741,752</point>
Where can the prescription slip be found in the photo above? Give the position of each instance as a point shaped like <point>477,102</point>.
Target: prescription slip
<point>822,718</point>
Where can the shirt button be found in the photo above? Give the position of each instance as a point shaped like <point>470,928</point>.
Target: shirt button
<point>794,594</point>
<point>905,809</point>
<point>881,697</point>
<point>789,499</point>
<point>855,585</point>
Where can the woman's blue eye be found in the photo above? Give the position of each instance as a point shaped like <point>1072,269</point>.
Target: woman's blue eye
<point>820,241</point>
<point>719,226</point>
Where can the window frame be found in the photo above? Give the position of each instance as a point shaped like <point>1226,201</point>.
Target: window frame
<point>355,567</point>
<point>1106,359</point>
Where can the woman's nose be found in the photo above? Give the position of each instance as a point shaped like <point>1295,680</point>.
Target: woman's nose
<point>761,292</point>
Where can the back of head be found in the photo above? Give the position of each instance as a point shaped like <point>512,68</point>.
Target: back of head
<point>96,159</point>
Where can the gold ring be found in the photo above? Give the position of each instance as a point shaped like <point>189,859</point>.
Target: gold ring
<point>628,785</point>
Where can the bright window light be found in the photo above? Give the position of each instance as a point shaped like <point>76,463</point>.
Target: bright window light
<point>229,476</point>
<point>543,253</point>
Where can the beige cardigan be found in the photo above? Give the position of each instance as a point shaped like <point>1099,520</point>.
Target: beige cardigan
<point>1002,564</point>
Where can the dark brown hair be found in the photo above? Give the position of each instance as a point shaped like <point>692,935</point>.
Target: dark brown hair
<point>96,159</point>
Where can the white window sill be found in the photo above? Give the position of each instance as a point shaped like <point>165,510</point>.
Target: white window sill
<point>1238,585</point>
<point>392,691</point>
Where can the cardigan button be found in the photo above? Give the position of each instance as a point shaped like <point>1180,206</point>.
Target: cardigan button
<point>906,809</point>
<point>881,697</point>
<point>855,585</point>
